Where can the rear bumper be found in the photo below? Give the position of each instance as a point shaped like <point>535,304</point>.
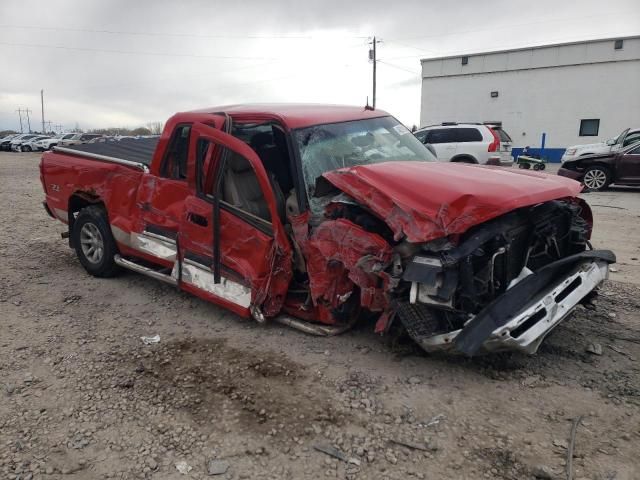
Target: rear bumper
<point>526,330</point>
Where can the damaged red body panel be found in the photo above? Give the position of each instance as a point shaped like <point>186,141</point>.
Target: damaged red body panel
<point>424,201</point>
<point>313,215</point>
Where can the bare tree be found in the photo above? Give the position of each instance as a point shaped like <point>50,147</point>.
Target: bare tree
<point>155,127</point>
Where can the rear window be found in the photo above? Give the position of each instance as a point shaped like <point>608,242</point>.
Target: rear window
<point>441,135</point>
<point>504,137</point>
<point>468,135</point>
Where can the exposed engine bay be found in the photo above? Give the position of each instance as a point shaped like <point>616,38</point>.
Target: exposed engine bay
<point>437,288</point>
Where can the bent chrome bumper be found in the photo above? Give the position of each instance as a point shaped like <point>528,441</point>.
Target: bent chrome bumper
<point>525,330</point>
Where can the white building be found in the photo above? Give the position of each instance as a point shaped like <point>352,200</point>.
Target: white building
<point>575,93</point>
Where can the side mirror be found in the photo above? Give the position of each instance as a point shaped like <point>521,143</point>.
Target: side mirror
<point>611,141</point>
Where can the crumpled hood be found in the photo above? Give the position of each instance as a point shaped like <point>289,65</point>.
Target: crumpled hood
<point>428,200</point>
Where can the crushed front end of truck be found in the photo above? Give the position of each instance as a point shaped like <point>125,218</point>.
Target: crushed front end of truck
<point>482,272</point>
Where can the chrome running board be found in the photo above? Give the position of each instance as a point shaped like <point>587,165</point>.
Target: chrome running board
<point>129,265</point>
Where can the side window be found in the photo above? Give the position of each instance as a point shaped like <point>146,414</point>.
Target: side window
<point>422,136</point>
<point>174,164</point>
<point>631,138</point>
<point>441,135</point>
<point>468,135</point>
<point>589,127</point>
<point>635,151</point>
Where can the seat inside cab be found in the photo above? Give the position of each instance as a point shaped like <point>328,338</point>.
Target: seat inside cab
<point>240,183</point>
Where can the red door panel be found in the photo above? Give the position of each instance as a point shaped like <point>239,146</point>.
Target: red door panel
<point>248,280</point>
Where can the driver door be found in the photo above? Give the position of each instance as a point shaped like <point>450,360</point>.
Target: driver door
<point>228,255</point>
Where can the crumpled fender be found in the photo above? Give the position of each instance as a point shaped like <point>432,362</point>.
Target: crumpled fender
<point>340,256</point>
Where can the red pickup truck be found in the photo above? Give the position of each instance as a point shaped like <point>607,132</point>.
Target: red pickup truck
<point>315,216</point>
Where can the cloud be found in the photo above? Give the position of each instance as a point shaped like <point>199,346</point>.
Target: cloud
<point>123,63</point>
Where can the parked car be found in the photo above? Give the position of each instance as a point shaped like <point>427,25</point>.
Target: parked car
<point>468,143</point>
<point>50,142</point>
<point>16,143</point>
<point>626,138</point>
<point>5,143</point>
<point>79,138</point>
<point>597,172</point>
<point>30,144</point>
<point>312,216</point>
<point>6,140</point>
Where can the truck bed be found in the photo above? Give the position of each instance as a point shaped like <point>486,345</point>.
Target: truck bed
<point>136,150</point>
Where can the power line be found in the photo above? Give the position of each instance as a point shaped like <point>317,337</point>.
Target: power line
<point>130,52</point>
<point>510,26</point>
<point>415,72</point>
<point>171,34</point>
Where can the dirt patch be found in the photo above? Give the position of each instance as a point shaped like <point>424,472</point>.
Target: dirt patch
<point>266,392</point>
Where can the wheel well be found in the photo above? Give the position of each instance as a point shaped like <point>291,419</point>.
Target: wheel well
<point>464,159</point>
<point>598,164</point>
<point>77,202</point>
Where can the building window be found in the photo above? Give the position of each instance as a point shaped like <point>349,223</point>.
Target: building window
<point>465,60</point>
<point>589,127</point>
<point>618,44</point>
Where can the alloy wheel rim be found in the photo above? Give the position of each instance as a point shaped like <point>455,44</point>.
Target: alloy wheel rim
<point>595,179</point>
<point>92,243</point>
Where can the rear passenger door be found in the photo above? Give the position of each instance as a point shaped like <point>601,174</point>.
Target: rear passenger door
<point>161,196</point>
<point>470,142</point>
<point>230,254</point>
<point>444,142</point>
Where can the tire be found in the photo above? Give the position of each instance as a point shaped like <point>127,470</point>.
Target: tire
<point>596,178</point>
<point>538,166</point>
<point>93,242</point>
<point>26,148</point>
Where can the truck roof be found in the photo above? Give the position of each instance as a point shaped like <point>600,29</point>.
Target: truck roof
<point>300,115</point>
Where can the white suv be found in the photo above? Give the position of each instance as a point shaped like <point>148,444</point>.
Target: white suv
<point>468,143</point>
<point>49,143</point>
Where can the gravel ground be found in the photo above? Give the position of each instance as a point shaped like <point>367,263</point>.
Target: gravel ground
<point>83,398</point>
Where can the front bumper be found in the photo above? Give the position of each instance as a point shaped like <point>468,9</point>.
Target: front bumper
<point>572,174</point>
<point>526,330</point>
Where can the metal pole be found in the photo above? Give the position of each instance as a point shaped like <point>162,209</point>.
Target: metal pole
<point>42,106</point>
<point>374,74</point>
<point>27,111</point>
<point>20,115</point>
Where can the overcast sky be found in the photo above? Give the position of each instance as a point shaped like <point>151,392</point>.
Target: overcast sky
<point>125,63</point>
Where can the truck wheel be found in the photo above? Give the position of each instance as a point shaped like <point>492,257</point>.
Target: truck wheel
<point>94,243</point>
<point>596,178</point>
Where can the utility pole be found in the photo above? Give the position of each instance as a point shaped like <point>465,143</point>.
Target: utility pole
<point>42,105</point>
<point>27,111</point>
<point>48,123</point>
<point>20,115</point>
<point>58,127</point>
<point>372,57</point>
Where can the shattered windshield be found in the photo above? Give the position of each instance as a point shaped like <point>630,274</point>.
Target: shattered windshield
<point>360,142</point>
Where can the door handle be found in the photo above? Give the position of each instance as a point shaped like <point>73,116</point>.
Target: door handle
<point>197,219</point>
